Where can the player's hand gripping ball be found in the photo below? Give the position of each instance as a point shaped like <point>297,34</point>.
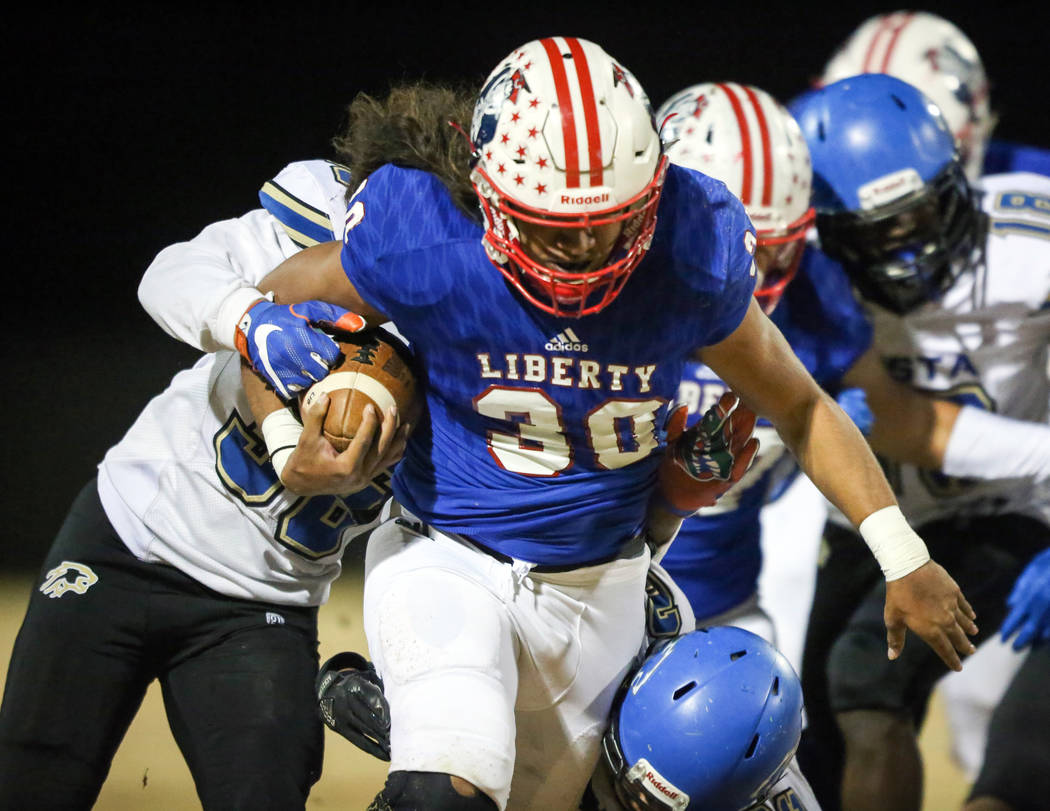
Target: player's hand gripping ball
<point>374,367</point>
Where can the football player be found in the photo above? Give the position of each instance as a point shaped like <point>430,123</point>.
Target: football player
<point>934,55</point>
<point>1014,766</point>
<point>501,609</point>
<point>190,560</point>
<point>951,279</point>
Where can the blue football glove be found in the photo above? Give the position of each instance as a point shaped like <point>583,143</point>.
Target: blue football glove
<point>284,345</point>
<point>1030,604</point>
<point>855,403</point>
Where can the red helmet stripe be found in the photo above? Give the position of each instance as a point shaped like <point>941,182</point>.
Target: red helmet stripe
<point>590,110</point>
<point>767,147</point>
<point>745,143</point>
<point>902,23</point>
<point>885,24</point>
<point>568,121</point>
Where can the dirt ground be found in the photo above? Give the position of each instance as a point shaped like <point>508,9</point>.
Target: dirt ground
<point>149,773</point>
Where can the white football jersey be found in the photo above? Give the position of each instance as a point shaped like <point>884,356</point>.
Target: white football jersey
<point>190,484</point>
<point>983,344</point>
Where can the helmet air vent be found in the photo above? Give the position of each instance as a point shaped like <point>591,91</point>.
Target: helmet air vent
<point>685,689</point>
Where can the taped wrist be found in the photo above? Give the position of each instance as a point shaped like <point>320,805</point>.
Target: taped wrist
<point>990,446</point>
<point>281,432</point>
<point>895,545</point>
<point>229,315</point>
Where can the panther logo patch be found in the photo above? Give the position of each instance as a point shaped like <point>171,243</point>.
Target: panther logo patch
<point>68,576</point>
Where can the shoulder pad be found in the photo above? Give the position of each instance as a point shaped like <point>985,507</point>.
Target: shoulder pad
<point>308,198</point>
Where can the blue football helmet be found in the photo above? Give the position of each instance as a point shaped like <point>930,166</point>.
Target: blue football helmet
<point>892,200</point>
<point>710,720</point>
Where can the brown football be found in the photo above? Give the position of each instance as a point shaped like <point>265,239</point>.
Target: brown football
<point>375,367</point>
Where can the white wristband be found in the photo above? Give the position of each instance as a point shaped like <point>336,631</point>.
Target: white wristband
<point>229,314</point>
<point>990,446</point>
<point>895,545</point>
<point>281,432</point>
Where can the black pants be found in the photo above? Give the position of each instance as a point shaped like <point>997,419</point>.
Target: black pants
<point>236,675</point>
<point>844,664</point>
<point>1017,754</point>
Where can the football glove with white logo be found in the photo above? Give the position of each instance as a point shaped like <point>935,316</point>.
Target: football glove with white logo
<point>703,462</point>
<point>351,702</point>
<point>1030,604</point>
<point>284,344</point>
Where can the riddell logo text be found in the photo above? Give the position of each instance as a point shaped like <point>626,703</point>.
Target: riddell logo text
<point>659,786</point>
<point>584,199</point>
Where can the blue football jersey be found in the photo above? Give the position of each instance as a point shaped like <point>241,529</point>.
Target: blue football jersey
<point>717,557</point>
<point>542,431</point>
<point>1002,157</point>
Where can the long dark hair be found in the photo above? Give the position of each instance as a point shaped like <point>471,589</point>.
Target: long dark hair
<point>410,127</point>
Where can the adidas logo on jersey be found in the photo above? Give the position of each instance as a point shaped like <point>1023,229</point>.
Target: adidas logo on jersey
<point>273,618</point>
<point>567,341</point>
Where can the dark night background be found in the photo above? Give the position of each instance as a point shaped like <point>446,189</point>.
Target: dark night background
<point>129,130</point>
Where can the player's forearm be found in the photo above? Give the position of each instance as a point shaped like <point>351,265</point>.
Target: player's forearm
<point>316,273</point>
<point>992,446</point>
<point>837,458</point>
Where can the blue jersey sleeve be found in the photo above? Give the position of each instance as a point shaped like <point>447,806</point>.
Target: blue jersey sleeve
<point>711,241</point>
<point>397,217</point>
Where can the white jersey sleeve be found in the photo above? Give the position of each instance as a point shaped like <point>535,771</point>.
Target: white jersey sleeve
<point>190,484</point>
<point>984,344</point>
<point>197,290</point>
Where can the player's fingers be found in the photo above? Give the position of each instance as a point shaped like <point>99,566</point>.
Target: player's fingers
<point>743,459</point>
<point>313,410</point>
<point>895,634</point>
<point>964,604</point>
<point>944,648</point>
<point>965,622</point>
<point>387,432</point>
<point>959,639</point>
<point>397,447</point>
<point>676,423</point>
<point>356,452</point>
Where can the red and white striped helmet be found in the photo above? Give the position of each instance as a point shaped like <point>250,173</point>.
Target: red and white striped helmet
<point>932,54</point>
<point>563,136</point>
<point>744,137</point>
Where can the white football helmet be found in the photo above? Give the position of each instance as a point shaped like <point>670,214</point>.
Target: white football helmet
<point>744,137</point>
<point>932,54</point>
<point>563,136</point>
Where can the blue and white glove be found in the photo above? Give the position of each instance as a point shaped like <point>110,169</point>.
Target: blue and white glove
<point>284,345</point>
<point>1030,604</point>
